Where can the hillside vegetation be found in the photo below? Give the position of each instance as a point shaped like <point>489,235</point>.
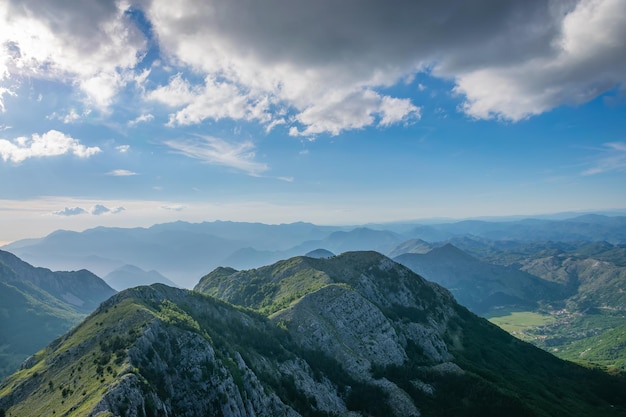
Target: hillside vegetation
<point>355,335</point>
<point>38,305</point>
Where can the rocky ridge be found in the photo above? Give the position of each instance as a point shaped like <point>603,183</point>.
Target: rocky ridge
<point>359,336</point>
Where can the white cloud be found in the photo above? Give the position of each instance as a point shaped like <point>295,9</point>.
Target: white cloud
<point>90,44</point>
<point>324,59</point>
<point>340,111</point>
<point>213,100</point>
<point>67,211</point>
<point>122,148</point>
<point>100,209</point>
<point>613,159</point>
<point>96,210</point>
<point>323,67</point>
<point>51,143</point>
<point>174,208</point>
<point>122,173</point>
<point>69,118</point>
<point>141,119</point>
<point>587,58</point>
<point>217,151</point>
<point>394,110</point>
<point>4,91</point>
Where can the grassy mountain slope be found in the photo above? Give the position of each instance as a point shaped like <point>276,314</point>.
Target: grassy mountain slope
<point>493,356</point>
<point>367,337</point>
<point>38,305</point>
<point>607,349</point>
<point>595,283</point>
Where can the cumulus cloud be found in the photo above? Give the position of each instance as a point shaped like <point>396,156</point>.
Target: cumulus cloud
<point>587,58</point>
<point>217,151</point>
<point>613,158</point>
<point>121,173</point>
<point>122,148</point>
<point>51,143</point>
<point>67,211</point>
<point>213,100</point>
<point>509,59</point>
<point>322,66</point>
<point>91,44</point>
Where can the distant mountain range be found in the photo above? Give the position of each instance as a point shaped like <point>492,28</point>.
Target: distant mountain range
<point>185,251</point>
<point>38,305</point>
<point>352,335</point>
<point>129,276</point>
<point>503,266</point>
<point>481,286</point>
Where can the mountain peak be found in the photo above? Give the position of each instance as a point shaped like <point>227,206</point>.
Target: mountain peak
<point>356,334</point>
<point>320,253</point>
<point>449,252</point>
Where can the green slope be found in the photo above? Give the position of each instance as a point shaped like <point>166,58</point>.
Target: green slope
<point>607,349</point>
<point>361,334</point>
<point>38,305</point>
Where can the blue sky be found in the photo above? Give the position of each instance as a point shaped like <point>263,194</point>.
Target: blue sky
<point>132,113</point>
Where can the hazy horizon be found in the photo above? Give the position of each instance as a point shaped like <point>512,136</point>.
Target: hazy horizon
<point>135,113</point>
<point>421,221</point>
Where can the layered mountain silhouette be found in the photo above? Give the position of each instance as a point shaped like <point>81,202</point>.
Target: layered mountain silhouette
<point>478,285</point>
<point>38,305</point>
<point>128,276</point>
<point>185,251</point>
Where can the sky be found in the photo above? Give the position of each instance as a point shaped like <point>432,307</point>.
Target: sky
<point>136,112</point>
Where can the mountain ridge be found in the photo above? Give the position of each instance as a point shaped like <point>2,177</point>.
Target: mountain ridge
<point>38,305</point>
<point>478,285</point>
<point>406,348</point>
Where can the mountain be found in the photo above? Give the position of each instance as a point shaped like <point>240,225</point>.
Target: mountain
<point>38,305</point>
<point>478,285</point>
<point>320,253</point>
<point>81,290</point>
<point>187,250</point>
<point>595,283</point>
<point>410,246</point>
<point>607,349</point>
<point>246,258</point>
<point>356,334</point>
<point>589,227</point>
<point>174,252</point>
<point>360,238</point>
<point>128,276</point>
<point>180,249</point>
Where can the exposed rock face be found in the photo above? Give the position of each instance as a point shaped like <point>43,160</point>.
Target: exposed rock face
<point>181,374</point>
<point>361,336</point>
<point>593,282</point>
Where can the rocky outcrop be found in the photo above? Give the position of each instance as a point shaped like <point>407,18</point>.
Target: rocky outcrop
<point>369,339</point>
